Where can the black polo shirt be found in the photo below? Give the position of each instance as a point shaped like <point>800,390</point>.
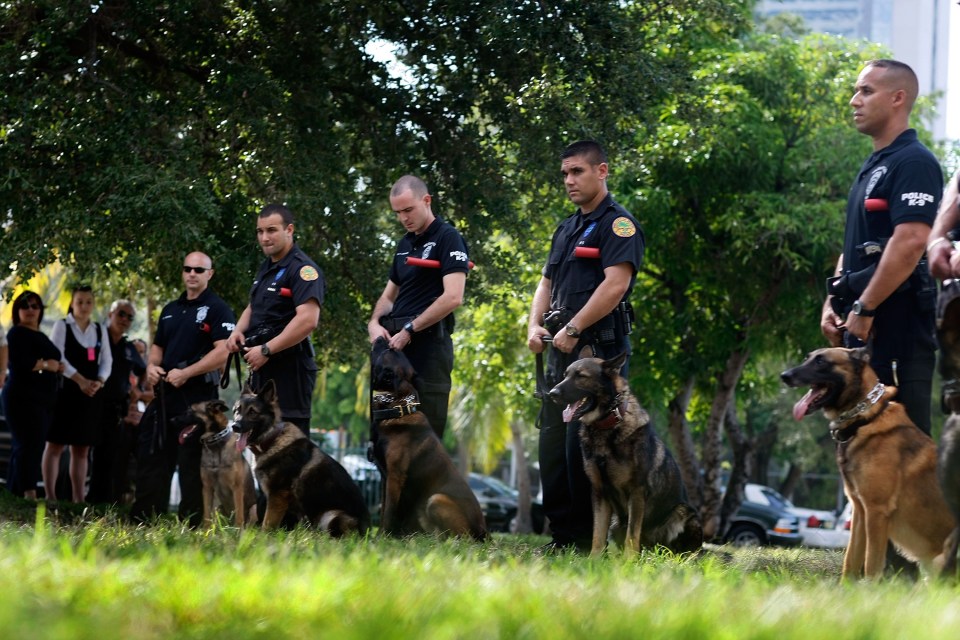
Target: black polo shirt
<point>280,287</point>
<point>908,177</point>
<point>187,329</point>
<point>612,230</point>
<point>420,286</point>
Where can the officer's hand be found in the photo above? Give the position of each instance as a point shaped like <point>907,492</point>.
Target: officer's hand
<point>859,326</point>
<point>255,358</point>
<point>235,341</point>
<point>954,266</point>
<point>940,259</point>
<point>376,330</point>
<point>535,336</point>
<point>400,340</point>
<point>831,326</point>
<point>564,343</point>
<point>154,373</point>
<point>177,377</point>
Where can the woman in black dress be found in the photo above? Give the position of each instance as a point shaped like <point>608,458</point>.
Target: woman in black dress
<point>87,362</point>
<point>30,393</point>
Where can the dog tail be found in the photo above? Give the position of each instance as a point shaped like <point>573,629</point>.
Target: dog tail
<point>338,523</point>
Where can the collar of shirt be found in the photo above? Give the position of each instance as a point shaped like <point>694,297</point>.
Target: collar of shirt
<point>605,204</point>
<point>906,138</point>
<point>427,234</point>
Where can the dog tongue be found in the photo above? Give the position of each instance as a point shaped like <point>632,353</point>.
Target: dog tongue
<point>242,441</point>
<point>571,409</point>
<point>186,433</point>
<point>800,409</point>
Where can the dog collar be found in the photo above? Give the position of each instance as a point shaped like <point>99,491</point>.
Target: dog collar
<point>872,398</point>
<point>217,437</point>
<point>264,443</point>
<point>613,418</point>
<point>406,408</point>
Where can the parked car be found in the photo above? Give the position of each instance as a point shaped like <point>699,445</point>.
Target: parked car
<point>758,523</point>
<point>818,528</point>
<point>499,502</point>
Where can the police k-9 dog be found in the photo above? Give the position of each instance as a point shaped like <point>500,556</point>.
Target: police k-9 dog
<point>294,474</point>
<point>227,479</point>
<point>423,490</point>
<point>888,465</point>
<point>633,474</point>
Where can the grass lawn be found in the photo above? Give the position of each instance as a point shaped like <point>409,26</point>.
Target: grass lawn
<point>73,575</point>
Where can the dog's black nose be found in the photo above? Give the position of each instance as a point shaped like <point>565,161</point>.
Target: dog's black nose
<point>554,393</point>
<point>786,376</point>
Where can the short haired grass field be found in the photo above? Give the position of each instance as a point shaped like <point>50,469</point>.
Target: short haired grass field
<point>93,575</point>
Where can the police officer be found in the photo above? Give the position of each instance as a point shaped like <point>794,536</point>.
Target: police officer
<point>273,332</point>
<point>185,358</point>
<point>415,310</point>
<point>583,299</point>
<point>889,294</point>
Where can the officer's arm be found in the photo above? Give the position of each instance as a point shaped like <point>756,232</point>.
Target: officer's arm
<point>616,281</point>
<point>212,361</point>
<point>154,370</point>
<point>383,307</point>
<point>454,285</point>
<point>939,248</point>
<point>236,339</point>
<point>897,262</point>
<point>299,327</point>
<point>540,305</point>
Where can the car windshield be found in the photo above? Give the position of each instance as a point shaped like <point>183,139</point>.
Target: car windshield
<point>489,482</point>
<point>777,500</point>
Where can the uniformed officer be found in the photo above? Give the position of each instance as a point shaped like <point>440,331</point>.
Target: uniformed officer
<point>582,298</point>
<point>415,310</point>
<point>883,288</point>
<point>273,332</point>
<point>185,358</point>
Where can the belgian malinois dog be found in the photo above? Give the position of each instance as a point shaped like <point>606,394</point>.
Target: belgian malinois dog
<point>888,465</point>
<point>294,474</point>
<point>227,479</point>
<point>632,473</point>
<point>423,490</point>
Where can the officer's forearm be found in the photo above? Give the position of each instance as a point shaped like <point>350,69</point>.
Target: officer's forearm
<point>299,327</point>
<point>605,298</point>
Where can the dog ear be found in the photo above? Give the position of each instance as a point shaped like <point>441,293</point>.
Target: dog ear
<point>861,355</point>
<point>269,392</point>
<point>218,405</point>
<point>613,365</point>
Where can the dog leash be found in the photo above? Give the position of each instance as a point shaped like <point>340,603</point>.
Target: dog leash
<point>225,380</point>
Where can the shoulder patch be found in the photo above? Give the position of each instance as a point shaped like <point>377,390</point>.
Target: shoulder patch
<point>308,273</point>
<point>623,227</point>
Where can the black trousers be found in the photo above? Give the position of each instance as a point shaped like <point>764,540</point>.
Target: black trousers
<point>294,372</point>
<point>431,355</point>
<point>105,464</point>
<point>159,454</point>
<point>566,488</point>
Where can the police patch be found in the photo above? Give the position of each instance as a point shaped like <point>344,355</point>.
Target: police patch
<point>623,227</point>
<point>308,273</point>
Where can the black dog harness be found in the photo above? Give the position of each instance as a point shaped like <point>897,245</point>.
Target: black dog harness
<point>407,407</point>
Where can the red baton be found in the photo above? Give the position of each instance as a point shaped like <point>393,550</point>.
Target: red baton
<point>876,204</point>
<point>586,252</point>
<point>430,264</point>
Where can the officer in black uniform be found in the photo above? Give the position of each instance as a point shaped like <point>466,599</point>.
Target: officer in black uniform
<point>415,310</point>
<point>582,302</point>
<point>183,367</point>
<point>882,284</point>
<point>273,332</point>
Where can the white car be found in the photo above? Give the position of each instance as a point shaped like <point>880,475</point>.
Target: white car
<point>818,528</point>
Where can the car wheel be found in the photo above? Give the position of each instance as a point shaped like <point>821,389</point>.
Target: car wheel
<point>746,535</point>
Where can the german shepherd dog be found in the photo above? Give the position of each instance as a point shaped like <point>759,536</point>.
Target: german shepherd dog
<point>888,465</point>
<point>225,473</point>
<point>633,474</point>
<point>294,474</point>
<point>423,490</point>
<point>948,467</point>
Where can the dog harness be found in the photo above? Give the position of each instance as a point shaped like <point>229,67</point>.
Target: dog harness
<point>217,437</point>
<point>406,408</point>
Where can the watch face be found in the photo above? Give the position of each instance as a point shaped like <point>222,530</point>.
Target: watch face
<point>857,307</point>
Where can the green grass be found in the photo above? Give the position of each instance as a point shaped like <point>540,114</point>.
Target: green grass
<point>76,575</point>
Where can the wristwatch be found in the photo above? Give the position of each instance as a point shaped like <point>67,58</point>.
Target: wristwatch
<point>409,327</point>
<point>572,331</point>
<point>861,310</point>
<point>265,350</point>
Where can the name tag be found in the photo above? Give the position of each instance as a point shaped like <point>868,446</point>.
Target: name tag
<point>91,354</point>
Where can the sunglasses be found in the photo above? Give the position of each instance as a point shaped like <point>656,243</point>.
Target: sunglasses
<point>32,305</point>
<point>187,269</point>
<point>124,314</point>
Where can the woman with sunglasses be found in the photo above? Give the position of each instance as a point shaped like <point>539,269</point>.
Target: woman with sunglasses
<point>87,362</point>
<point>30,394</point>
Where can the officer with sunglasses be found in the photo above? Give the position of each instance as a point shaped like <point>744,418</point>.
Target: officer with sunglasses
<point>183,367</point>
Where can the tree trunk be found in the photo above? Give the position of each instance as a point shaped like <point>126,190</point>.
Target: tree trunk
<point>789,484</point>
<point>524,520</point>
<point>742,448</point>
<point>713,442</point>
<point>681,442</point>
